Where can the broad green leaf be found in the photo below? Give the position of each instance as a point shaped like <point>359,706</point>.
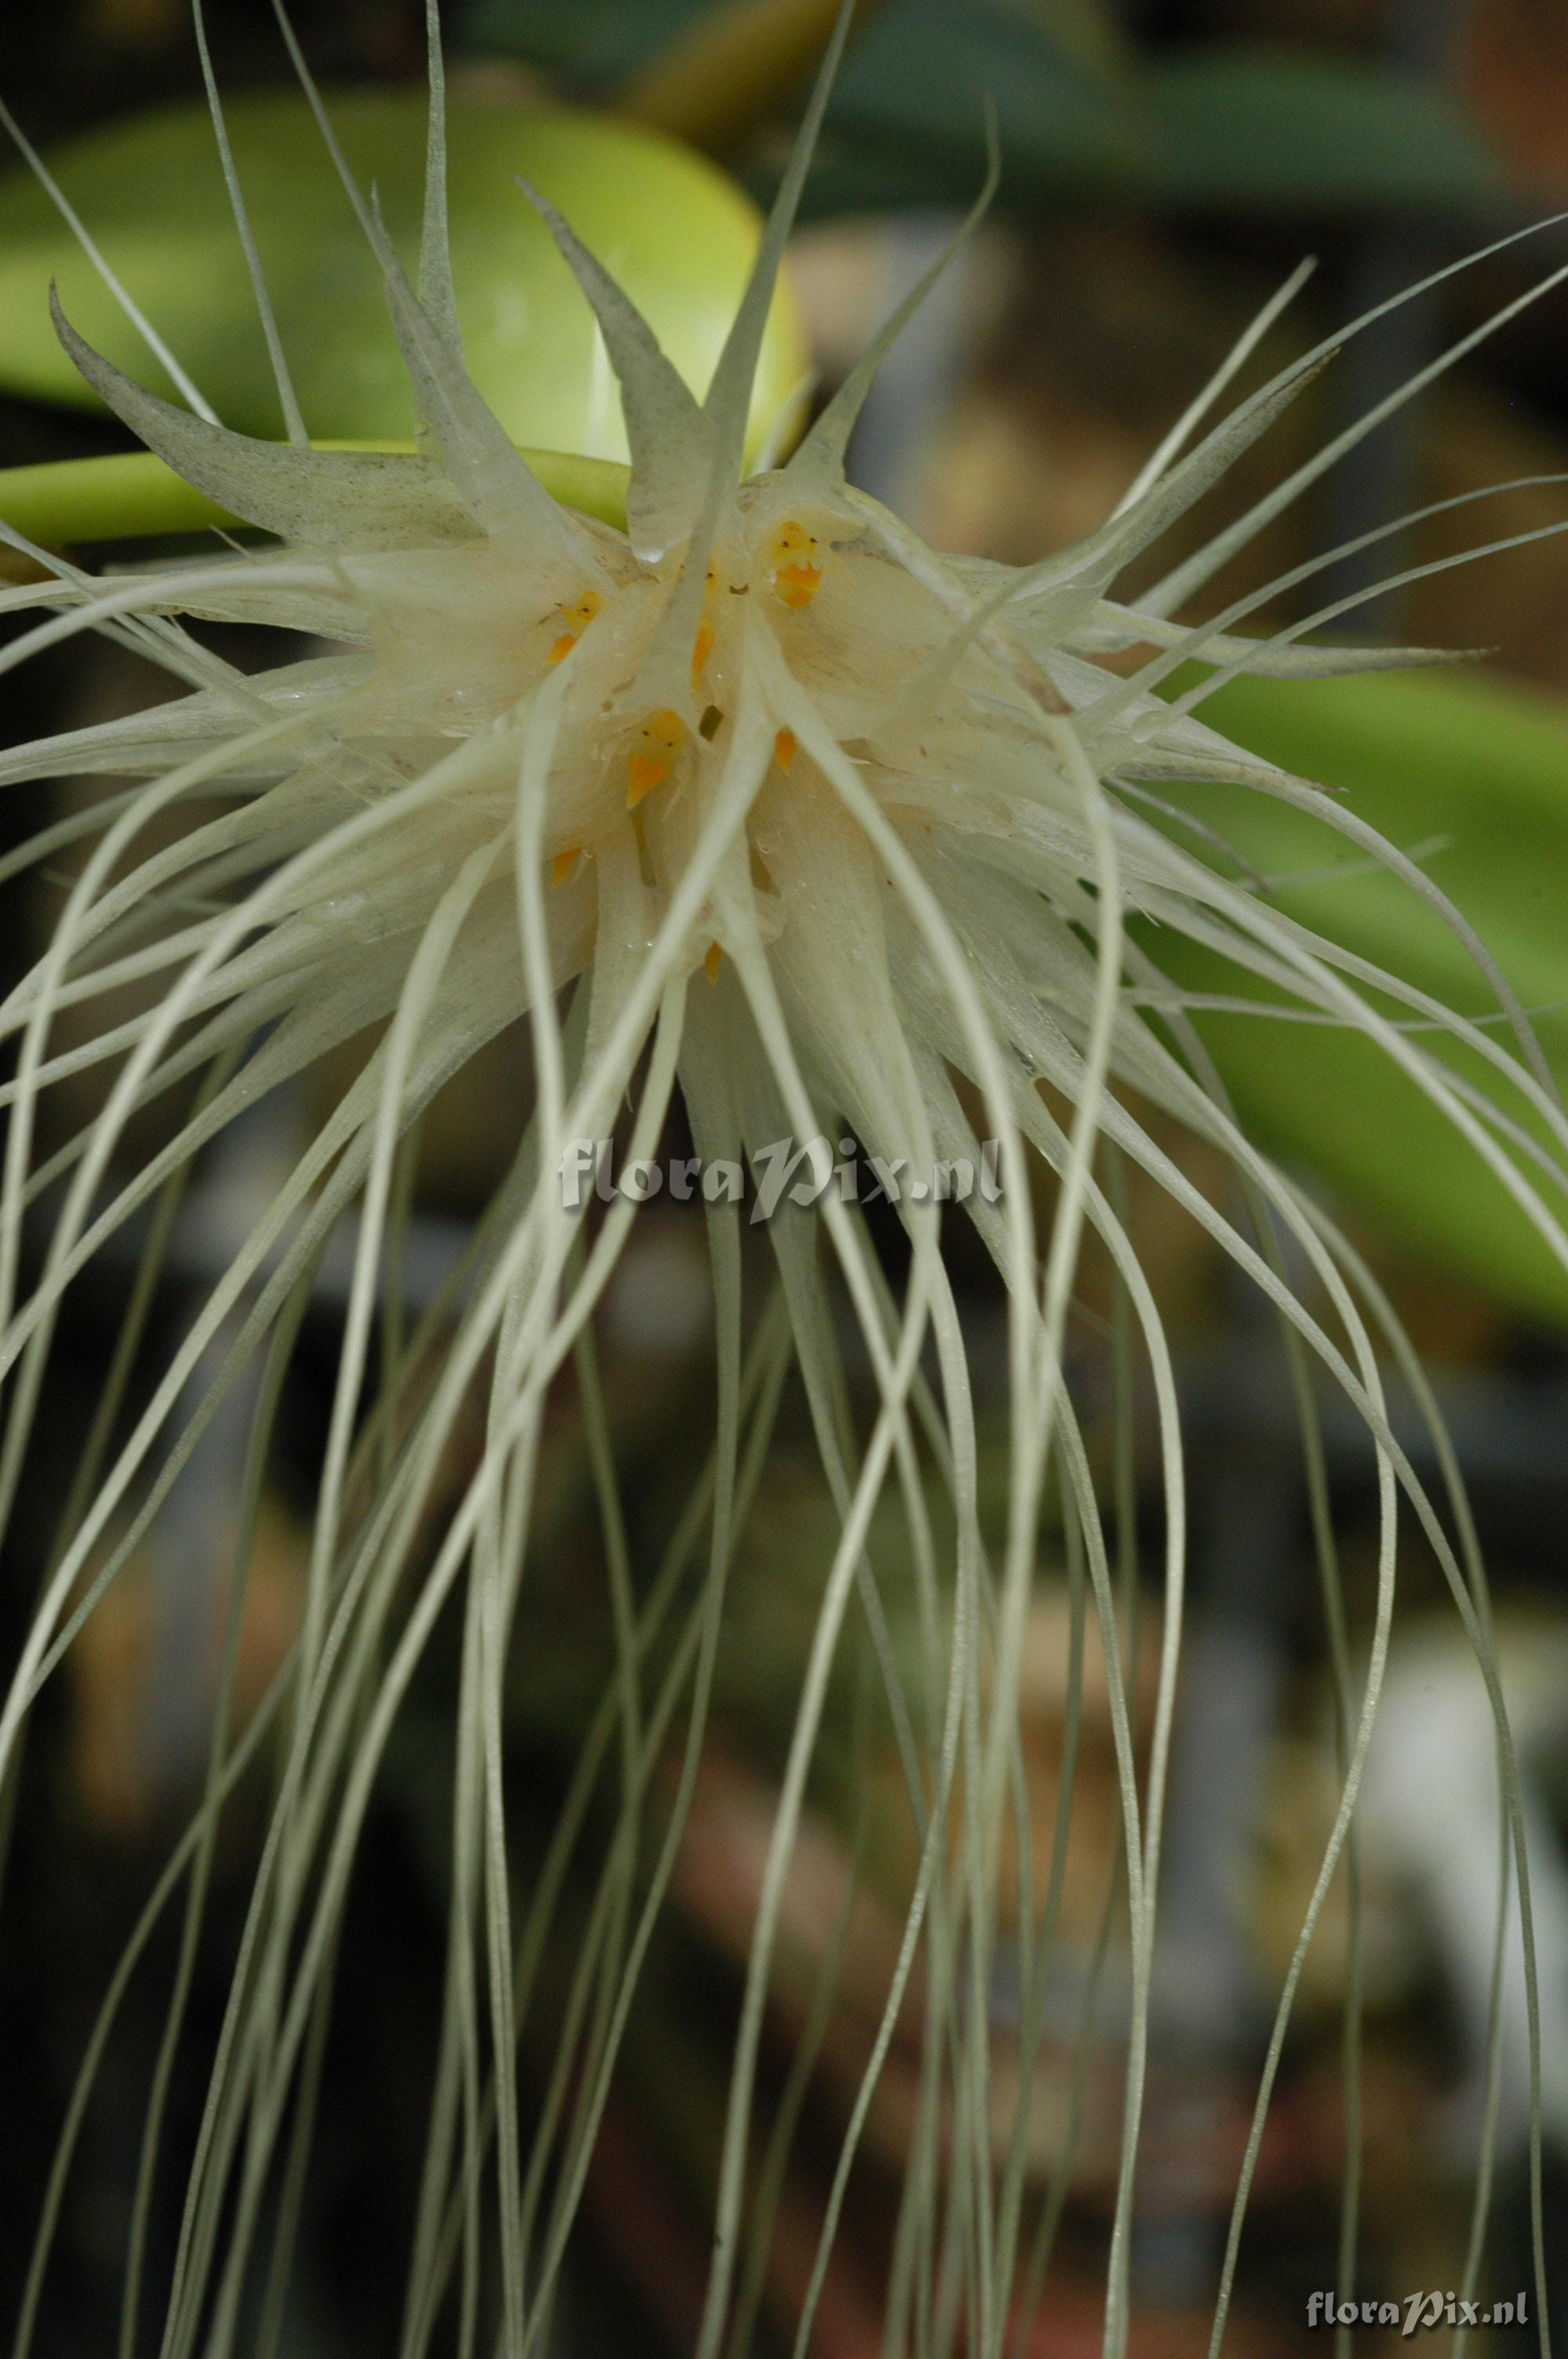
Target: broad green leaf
<point>677,234</point>
<point>918,82</point>
<point>1082,118</point>
<point>906,124</point>
<point>1262,126</point>
<point>597,42</point>
<point>1470,776</point>
<point>1222,126</point>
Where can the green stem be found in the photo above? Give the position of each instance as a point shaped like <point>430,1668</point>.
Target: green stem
<point>133,494</point>
<point>724,74</point>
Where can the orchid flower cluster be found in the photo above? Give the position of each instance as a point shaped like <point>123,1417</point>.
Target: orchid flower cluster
<point>761,804</point>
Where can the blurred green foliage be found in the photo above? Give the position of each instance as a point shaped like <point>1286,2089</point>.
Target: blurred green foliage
<point>1469,776</point>
<point>1084,118</point>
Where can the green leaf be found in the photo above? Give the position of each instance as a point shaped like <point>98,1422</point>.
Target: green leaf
<point>675,231</point>
<point>919,80</point>
<point>1082,119</point>
<point>1471,776</point>
<point>906,121</point>
<point>597,42</point>
<point>1222,126</point>
<point>1259,126</point>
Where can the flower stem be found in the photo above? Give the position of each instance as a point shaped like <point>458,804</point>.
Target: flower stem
<point>714,82</point>
<point>130,494</point>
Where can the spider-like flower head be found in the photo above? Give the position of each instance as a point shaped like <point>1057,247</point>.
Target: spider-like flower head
<point>764,708</point>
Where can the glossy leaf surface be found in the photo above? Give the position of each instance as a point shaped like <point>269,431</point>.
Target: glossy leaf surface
<point>1469,776</point>
<point>674,230</point>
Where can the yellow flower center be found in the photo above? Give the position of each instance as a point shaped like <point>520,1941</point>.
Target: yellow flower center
<point>651,758</point>
<point>577,618</point>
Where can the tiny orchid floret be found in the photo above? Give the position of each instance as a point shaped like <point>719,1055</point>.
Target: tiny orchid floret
<point>653,758</point>
<point>576,619</point>
<point>795,565</point>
